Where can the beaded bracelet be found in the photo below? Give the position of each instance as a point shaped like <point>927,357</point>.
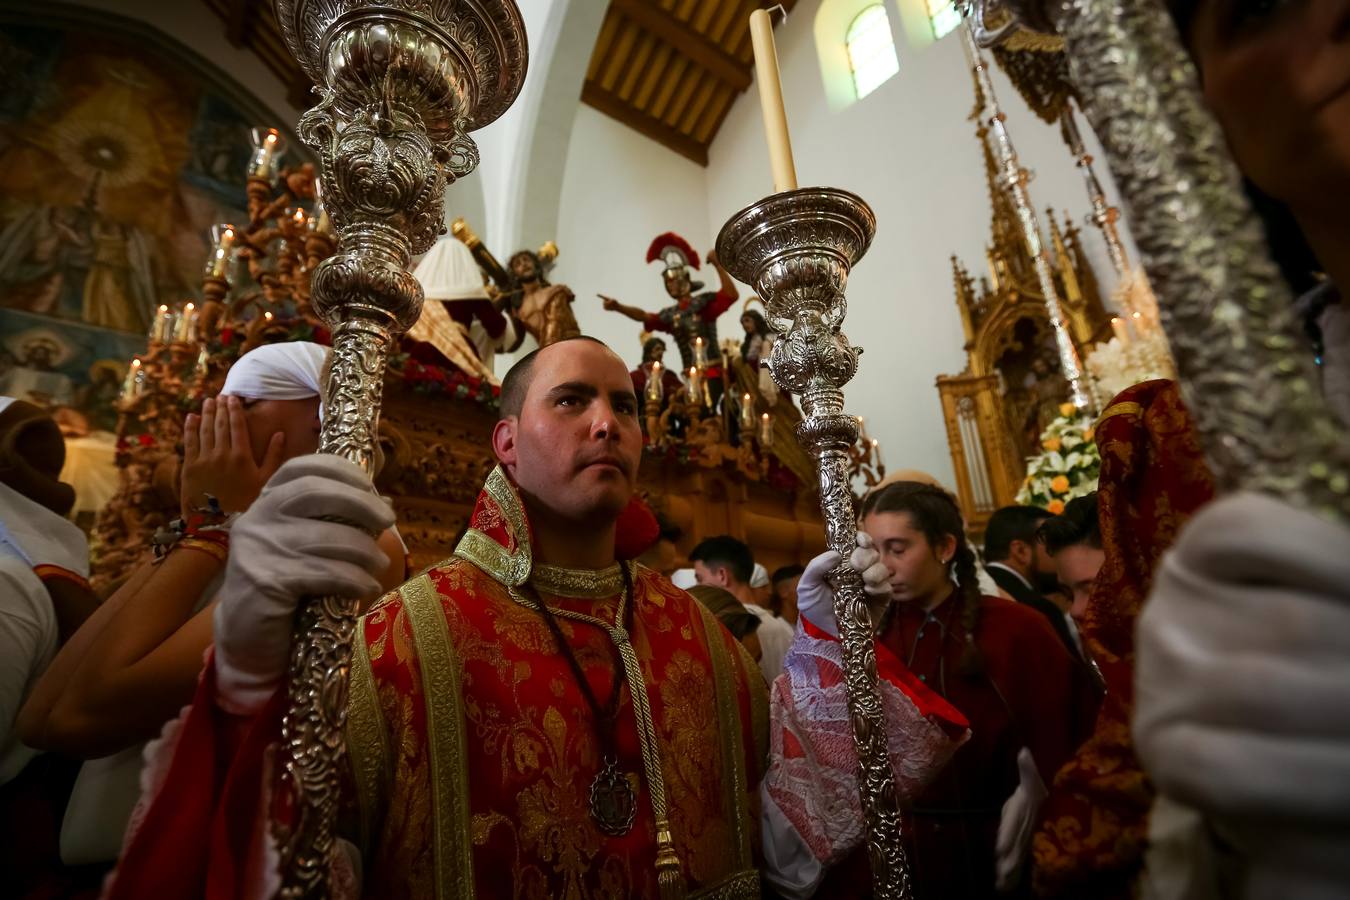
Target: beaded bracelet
<point>209,523</point>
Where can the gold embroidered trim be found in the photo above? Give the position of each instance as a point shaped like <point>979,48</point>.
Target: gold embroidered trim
<point>583,584</point>
<point>759,708</point>
<point>447,745</point>
<point>367,741</point>
<point>1127,408</point>
<point>739,886</point>
<point>511,569</point>
<point>731,743</point>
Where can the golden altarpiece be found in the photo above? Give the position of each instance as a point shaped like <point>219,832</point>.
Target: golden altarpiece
<point>1012,387</point>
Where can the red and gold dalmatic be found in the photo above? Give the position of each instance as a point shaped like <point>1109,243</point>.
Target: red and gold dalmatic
<point>473,749</point>
<point>1094,826</point>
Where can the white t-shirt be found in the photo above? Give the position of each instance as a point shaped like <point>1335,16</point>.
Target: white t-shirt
<point>775,635</point>
<point>30,535</point>
<point>28,637</point>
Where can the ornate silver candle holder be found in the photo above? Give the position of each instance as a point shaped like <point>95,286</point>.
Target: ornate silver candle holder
<point>400,87</point>
<point>796,248</point>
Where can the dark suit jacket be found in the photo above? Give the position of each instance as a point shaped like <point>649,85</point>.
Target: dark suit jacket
<point>1028,596</point>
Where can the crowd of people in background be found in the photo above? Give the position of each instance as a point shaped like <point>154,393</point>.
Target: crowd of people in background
<point>1036,674</point>
<point>1143,695</point>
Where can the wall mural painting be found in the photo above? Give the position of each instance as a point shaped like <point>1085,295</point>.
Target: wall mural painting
<point>117,154</point>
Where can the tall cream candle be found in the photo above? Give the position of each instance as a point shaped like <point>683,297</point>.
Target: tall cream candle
<point>771,102</point>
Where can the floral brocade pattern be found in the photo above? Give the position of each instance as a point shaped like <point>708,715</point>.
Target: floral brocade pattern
<point>531,750</point>
<point>1153,478</point>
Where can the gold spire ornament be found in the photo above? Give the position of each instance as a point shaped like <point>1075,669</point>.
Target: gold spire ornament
<point>1248,382</point>
<point>400,86</point>
<point>1015,180</point>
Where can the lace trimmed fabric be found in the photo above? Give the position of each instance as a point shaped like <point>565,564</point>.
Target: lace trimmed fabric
<point>812,774</point>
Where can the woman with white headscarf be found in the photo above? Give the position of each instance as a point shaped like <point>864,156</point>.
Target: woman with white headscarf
<point>135,663</point>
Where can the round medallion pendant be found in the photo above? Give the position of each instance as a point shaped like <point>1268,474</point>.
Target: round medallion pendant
<point>613,804</point>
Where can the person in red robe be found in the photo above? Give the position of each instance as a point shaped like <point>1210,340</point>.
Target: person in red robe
<point>1094,828</point>
<point>983,660</point>
<point>530,718</point>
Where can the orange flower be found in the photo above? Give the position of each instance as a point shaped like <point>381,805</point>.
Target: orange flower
<point>1066,409</point>
<point>1088,434</point>
<point>1055,507</point>
<point>1060,485</point>
<point>1051,444</point>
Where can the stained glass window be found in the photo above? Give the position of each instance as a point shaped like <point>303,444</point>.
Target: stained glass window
<point>944,17</point>
<point>871,50</point>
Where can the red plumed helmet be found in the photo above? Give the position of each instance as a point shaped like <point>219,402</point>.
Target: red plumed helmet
<point>673,250</point>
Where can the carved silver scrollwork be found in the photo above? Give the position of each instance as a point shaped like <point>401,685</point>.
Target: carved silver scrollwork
<point>796,248</point>
<point>401,85</point>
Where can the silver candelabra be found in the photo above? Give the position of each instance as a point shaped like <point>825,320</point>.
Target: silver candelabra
<point>796,248</point>
<point>401,85</point>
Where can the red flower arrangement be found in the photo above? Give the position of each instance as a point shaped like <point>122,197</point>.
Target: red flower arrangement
<point>433,379</point>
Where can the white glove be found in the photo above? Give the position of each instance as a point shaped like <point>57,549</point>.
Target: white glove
<point>1242,697</point>
<point>281,552</point>
<point>1017,824</point>
<point>815,594</point>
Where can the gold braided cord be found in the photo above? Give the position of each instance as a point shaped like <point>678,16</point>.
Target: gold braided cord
<point>667,861</point>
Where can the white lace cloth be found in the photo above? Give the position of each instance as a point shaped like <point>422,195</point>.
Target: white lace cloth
<point>812,814</point>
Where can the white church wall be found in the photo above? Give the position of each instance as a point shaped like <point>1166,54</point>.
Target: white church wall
<point>524,152</point>
<point>619,191</point>
<point>910,152</point>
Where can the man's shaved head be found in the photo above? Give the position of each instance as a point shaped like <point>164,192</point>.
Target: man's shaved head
<point>516,383</point>
<point>568,434</point>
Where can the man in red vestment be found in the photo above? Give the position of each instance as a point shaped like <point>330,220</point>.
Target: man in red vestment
<point>530,718</point>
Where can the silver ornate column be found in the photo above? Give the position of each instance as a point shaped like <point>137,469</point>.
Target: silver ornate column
<point>1015,179</point>
<point>400,87</point>
<point>1249,382</point>
<point>1104,215</point>
<point>796,248</point>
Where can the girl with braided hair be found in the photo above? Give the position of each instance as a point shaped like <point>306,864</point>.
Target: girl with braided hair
<point>1001,665</point>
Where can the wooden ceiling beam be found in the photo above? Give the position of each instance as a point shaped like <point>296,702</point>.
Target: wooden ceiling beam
<point>596,96</point>
<point>698,47</point>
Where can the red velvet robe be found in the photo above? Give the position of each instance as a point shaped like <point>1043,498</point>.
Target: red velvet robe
<point>1095,822</point>
<point>472,749</point>
<point>1030,695</point>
